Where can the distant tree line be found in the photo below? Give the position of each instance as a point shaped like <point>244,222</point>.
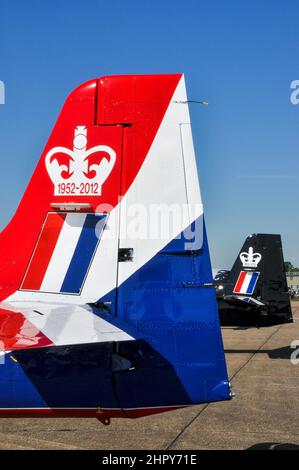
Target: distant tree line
<point>289,267</point>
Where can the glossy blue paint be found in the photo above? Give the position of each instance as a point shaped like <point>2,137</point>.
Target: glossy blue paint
<point>178,316</point>
<point>16,389</point>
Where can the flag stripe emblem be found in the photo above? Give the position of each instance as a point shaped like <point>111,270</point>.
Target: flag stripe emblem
<point>246,282</point>
<point>43,251</point>
<point>82,256</point>
<point>64,252</point>
<point>252,283</point>
<point>240,281</point>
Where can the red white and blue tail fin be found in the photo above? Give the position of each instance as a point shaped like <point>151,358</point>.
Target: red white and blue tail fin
<point>121,145</point>
<point>113,218</point>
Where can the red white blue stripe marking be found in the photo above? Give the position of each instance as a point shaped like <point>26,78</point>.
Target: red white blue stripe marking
<point>64,252</point>
<point>246,282</point>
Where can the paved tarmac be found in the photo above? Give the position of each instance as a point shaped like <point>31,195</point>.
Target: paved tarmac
<point>264,413</point>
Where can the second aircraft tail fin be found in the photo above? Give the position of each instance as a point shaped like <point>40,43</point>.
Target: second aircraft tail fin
<point>256,283</point>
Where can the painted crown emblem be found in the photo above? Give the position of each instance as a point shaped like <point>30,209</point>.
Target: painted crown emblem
<point>83,171</point>
<point>250,259</point>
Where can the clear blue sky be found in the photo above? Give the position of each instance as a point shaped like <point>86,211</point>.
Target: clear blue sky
<point>238,55</point>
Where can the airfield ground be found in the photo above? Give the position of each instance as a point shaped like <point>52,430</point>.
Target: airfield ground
<point>265,410</point>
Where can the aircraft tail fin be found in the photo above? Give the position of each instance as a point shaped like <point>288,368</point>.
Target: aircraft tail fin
<point>113,218</point>
<point>257,282</point>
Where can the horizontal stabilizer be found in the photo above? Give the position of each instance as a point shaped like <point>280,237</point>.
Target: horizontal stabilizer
<point>41,324</point>
<point>240,298</point>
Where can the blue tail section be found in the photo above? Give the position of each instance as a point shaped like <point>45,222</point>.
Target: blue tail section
<point>168,302</point>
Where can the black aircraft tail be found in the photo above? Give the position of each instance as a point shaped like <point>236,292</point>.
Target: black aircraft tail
<point>255,291</point>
